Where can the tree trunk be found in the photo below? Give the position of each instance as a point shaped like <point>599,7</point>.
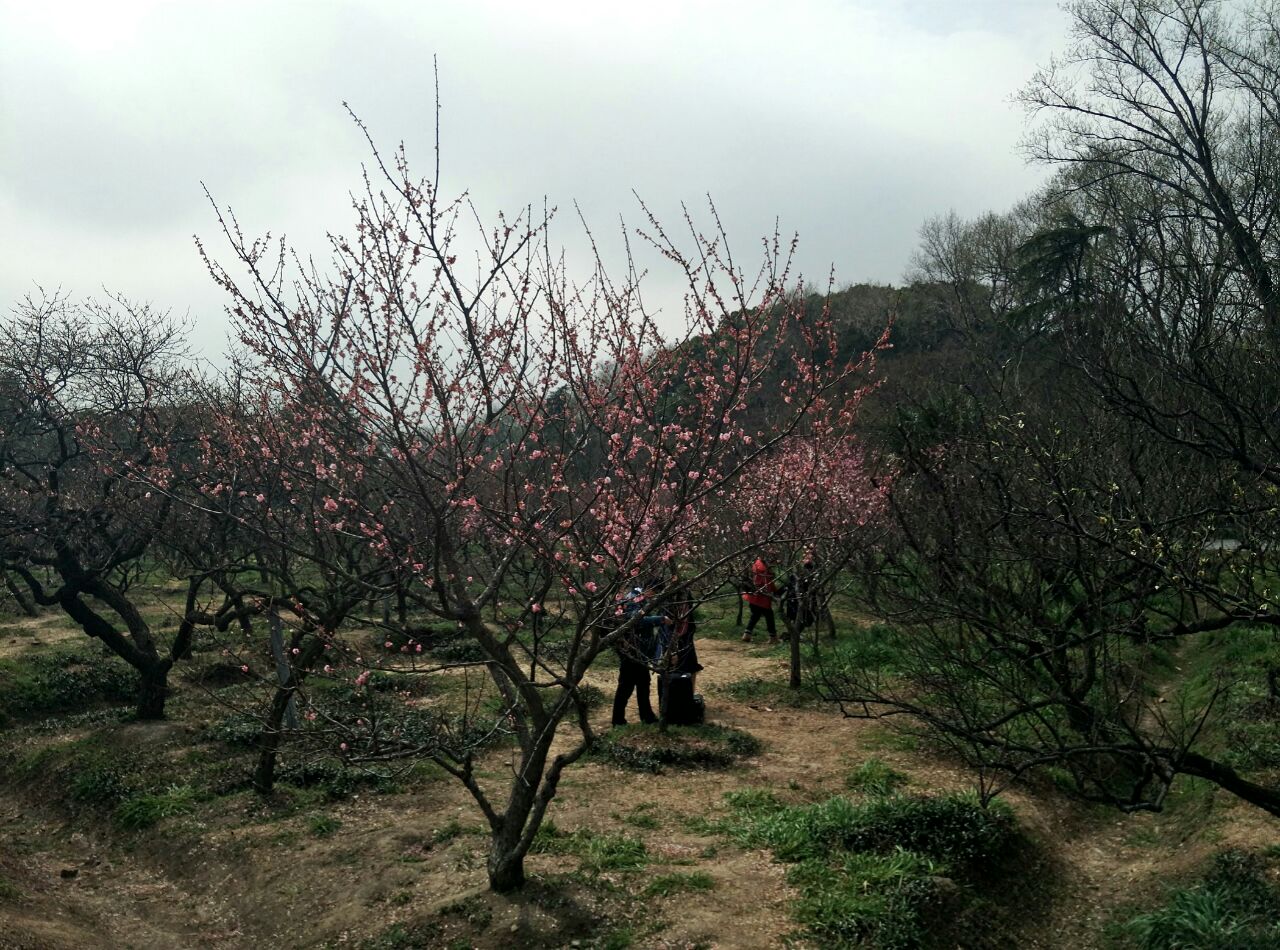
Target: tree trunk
<point>793,636</point>
<point>153,687</point>
<point>289,676</point>
<point>24,603</point>
<point>506,853</point>
<point>264,773</point>
<point>506,870</point>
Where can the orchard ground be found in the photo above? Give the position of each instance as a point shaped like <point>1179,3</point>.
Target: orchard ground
<point>628,858</point>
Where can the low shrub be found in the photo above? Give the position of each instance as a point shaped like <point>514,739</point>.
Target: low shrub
<point>239,729</point>
<point>331,777</point>
<point>103,780</point>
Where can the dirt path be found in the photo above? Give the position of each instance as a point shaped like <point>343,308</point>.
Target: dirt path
<point>18,635</point>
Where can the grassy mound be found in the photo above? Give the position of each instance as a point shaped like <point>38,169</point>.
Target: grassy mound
<point>647,749</point>
<point>1236,905</point>
<point>892,872</point>
<point>62,682</point>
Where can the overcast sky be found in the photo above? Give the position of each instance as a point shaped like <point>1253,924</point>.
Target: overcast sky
<point>850,121</point>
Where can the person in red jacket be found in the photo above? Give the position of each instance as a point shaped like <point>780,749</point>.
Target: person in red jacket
<point>759,598</point>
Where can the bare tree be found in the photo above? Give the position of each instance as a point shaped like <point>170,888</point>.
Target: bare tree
<point>88,400</point>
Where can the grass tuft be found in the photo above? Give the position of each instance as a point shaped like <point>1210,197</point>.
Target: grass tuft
<point>597,851</point>
<point>148,809</point>
<point>665,885</point>
<point>874,777</point>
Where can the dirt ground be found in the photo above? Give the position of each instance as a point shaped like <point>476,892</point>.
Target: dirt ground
<point>230,881</point>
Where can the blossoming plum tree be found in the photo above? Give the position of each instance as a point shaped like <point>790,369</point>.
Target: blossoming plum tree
<point>814,504</point>
<point>512,445</point>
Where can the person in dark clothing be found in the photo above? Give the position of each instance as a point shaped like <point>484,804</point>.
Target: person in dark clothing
<point>760,600</point>
<point>791,606</point>
<point>681,653</point>
<point>813,606</point>
<point>635,654</point>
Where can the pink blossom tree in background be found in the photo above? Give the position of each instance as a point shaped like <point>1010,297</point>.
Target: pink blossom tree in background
<point>810,506</point>
<point>508,444</point>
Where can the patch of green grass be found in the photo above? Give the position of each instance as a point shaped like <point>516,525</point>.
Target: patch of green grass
<point>148,809</point>
<point>397,937</point>
<point>642,817</point>
<point>610,852</point>
<point>238,729</point>
<point>647,749</point>
<point>446,832</point>
<point>597,851</point>
<point>64,681</point>
<point>699,824</point>
<point>473,909</point>
<point>9,891</point>
<point>890,740</point>
<point>620,938</point>
<point>88,772</point>
<point>1234,906</point>
<point>870,873</point>
<point>664,885</point>
<point>323,825</point>
<point>758,691</point>
<point>862,900</point>
<point>874,777</point>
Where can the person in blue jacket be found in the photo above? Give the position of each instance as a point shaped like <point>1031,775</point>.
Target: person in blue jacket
<point>636,650</point>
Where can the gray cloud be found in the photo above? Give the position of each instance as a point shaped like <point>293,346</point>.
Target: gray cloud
<point>849,121</point>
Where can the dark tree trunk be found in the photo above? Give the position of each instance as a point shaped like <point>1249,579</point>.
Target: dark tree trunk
<point>24,602</point>
<point>290,675</point>
<point>793,637</point>
<point>506,860</point>
<point>510,842</point>
<point>153,688</point>
<point>506,872</point>
<point>264,773</point>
